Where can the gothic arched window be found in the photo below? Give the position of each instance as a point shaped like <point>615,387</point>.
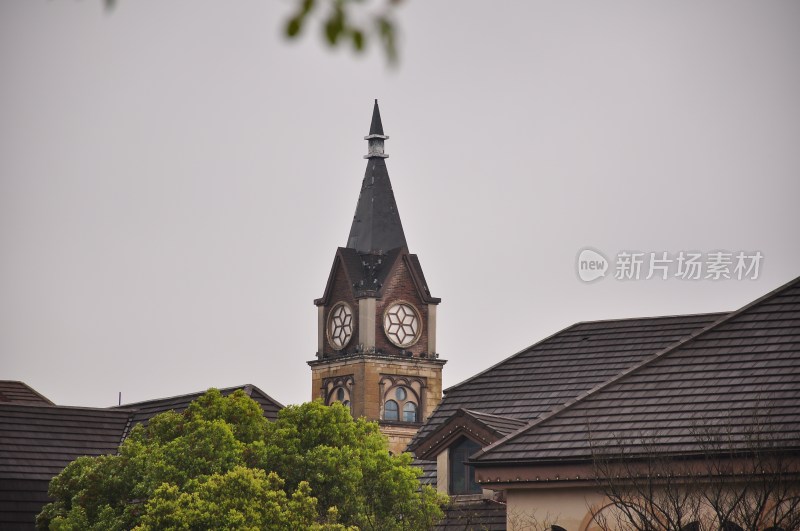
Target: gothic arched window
<point>339,394</point>
<point>410,412</point>
<point>391,411</point>
<point>338,390</point>
<point>401,398</point>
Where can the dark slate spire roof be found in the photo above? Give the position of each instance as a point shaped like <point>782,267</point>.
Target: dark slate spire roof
<point>376,223</point>
<point>376,127</point>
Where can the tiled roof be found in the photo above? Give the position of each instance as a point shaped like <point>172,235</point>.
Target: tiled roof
<point>144,411</point>
<point>428,476</point>
<point>20,393</point>
<point>562,366</point>
<point>483,515</point>
<point>482,428</point>
<point>498,424</point>
<point>20,502</point>
<point>743,370</point>
<point>38,441</point>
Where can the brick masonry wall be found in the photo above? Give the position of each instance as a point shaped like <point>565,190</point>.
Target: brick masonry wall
<point>400,286</point>
<point>341,291</point>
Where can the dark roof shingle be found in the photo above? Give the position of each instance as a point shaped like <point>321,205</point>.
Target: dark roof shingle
<point>483,515</point>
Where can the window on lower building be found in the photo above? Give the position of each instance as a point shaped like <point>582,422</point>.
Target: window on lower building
<point>462,475</point>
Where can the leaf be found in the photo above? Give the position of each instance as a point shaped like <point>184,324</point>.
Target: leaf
<point>358,40</point>
<point>334,26</point>
<point>386,31</point>
<point>308,5</point>
<point>293,27</point>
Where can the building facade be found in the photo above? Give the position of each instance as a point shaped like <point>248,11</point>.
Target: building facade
<point>695,418</point>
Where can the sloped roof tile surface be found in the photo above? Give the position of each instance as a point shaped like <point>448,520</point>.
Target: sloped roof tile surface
<point>20,393</point>
<point>738,378</point>
<point>38,441</point>
<point>559,368</point>
<point>499,424</point>
<point>483,515</point>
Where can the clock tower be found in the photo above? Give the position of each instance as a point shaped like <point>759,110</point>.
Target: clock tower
<point>376,326</point>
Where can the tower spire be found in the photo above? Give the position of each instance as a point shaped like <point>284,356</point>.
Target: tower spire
<point>375,137</point>
<point>376,223</point>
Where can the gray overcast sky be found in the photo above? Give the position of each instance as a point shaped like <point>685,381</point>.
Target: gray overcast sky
<point>175,177</point>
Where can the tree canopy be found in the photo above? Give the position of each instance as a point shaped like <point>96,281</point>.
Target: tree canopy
<point>221,465</point>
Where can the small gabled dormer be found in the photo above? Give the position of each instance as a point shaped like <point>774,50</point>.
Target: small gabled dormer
<point>453,442</point>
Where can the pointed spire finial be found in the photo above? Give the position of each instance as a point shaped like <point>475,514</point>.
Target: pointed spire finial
<point>376,127</point>
<point>376,223</point>
<point>375,137</point>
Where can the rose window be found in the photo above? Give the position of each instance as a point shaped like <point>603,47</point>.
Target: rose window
<point>340,325</point>
<point>401,323</point>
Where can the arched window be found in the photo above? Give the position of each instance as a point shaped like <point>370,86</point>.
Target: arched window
<point>730,526</point>
<point>391,411</point>
<point>557,528</point>
<point>410,412</point>
<point>462,475</point>
<point>401,403</point>
<point>337,392</point>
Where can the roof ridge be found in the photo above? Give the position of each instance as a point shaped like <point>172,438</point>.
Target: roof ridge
<point>658,355</point>
<point>220,389</point>
<point>652,317</point>
<point>112,409</point>
<point>573,325</point>
<point>254,387</point>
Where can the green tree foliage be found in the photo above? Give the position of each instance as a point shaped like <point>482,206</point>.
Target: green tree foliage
<point>342,22</point>
<point>348,21</point>
<point>222,465</point>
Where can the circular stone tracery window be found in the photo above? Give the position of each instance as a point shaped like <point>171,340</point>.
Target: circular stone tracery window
<point>401,322</point>
<point>340,325</point>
